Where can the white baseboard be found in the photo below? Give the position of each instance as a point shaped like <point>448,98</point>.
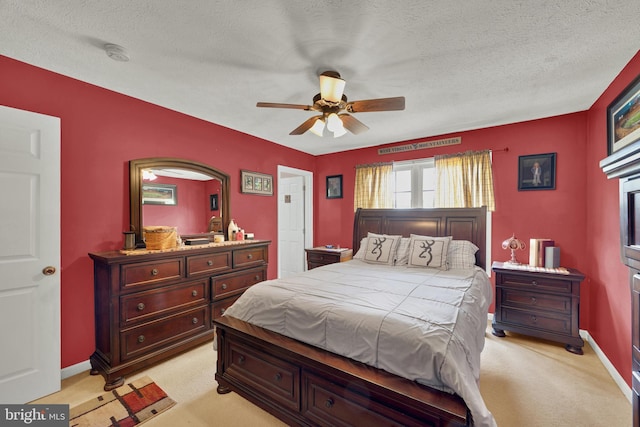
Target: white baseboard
<point>78,368</point>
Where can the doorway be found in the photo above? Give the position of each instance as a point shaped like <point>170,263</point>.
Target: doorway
<point>295,219</point>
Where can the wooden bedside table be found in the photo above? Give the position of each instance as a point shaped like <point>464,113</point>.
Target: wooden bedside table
<point>539,304</point>
<point>321,255</point>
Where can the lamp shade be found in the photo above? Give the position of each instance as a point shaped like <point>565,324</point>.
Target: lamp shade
<point>318,127</point>
<point>331,88</point>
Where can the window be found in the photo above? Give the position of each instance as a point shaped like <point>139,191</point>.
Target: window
<point>414,184</point>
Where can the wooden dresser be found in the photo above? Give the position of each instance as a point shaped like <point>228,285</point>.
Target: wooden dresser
<point>151,306</point>
<point>543,305</point>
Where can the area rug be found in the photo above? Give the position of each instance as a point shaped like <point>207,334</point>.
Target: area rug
<point>128,405</point>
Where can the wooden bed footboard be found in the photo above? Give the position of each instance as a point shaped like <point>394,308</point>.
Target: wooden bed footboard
<point>304,385</point>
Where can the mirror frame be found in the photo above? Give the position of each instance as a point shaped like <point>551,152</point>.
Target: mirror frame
<point>136,167</point>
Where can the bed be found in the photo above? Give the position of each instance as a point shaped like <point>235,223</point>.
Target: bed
<point>295,348</point>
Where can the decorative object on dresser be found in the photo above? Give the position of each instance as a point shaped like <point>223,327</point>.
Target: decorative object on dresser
<point>541,304</point>
<point>305,385</point>
<point>323,255</point>
<point>624,164</point>
<point>513,243</point>
<point>151,305</point>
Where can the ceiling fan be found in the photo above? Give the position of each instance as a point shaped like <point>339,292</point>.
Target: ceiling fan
<point>335,109</point>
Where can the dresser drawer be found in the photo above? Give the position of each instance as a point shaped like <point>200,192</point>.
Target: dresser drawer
<point>219,307</point>
<point>323,258</point>
<point>145,305</point>
<point>229,284</point>
<point>535,300</point>
<point>538,283</point>
<point>158,334</point>
<point>250,256</point>
<point>269,376</point>
<point>535,319</point>
<point>326,403</point>
<point>209,264</point>
<point>153,272</point>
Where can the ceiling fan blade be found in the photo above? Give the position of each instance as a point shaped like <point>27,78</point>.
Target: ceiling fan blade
<point>352,124</point>
<point>305,126</point>
<point>278,105</point>
<point>380,104</point>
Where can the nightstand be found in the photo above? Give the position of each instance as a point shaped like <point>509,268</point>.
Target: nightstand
<point>539,304</point>
<point>321,255</point>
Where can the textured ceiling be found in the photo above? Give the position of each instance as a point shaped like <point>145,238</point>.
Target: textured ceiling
<point>460,64</point>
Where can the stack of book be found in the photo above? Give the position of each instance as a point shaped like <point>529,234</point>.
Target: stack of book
<point>537,251</point>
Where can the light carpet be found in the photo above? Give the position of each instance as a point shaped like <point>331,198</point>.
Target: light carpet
<point>525,382</point>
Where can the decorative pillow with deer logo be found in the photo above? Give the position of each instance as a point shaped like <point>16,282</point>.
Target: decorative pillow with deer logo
<point>427,251</point>
<point>381,248</point>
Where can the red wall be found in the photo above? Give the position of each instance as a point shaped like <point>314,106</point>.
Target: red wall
<point>101,131</point>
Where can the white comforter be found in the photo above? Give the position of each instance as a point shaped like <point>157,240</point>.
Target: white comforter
<point>423,324</point>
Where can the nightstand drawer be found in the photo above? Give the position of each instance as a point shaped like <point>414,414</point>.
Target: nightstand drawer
<point>536,319</point>
<point>541,301</point>
<point>538,282</point>
<point>323,258</point>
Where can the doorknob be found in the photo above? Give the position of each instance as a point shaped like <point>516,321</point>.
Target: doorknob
<point>49,270</point>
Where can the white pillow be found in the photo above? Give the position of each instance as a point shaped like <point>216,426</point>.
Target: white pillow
<point>428,251</point>
<point>381,248</point>
<point>402,255</point>
<point>361,249</point>
<point>461,254</point>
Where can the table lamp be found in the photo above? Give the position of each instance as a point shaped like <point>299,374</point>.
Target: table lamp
<point>513,243</point>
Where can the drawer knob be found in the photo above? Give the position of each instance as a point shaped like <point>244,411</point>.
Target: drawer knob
<point>278,376</point>
<point>194,320</point>
<point>224,286</point>
<point>533,300</point>
<point>222,310</point>
<point>534,319</point>
<point>141,306</point>
<point>154,272</point>
<point>241,359</point>
<point>194,293</point>
<point>250,256</point>
<point>534,283</point>
<point>257,278</point>
<point>141,339</point>
<point>209,263</point>
<point>329,403</point>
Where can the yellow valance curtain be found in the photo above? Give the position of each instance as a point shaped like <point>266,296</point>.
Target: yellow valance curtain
<point>373,186</point>
<point>464,180</point>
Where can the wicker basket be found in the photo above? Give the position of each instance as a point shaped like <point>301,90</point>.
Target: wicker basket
<point>160,237</point>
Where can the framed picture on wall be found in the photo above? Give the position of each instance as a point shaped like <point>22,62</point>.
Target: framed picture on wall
<point>623,118</point>
<point>256,183</point>
<point>213,202</point>
<point>334,187</point>
<point>537,172</point>
<point>159,194</point>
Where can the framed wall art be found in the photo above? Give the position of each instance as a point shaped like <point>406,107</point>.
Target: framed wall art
<point>537,172</point>
<point>213,202</point>
<point>334,187</point>
<point>256,183</point>
<point>159,194</point>
<point>623,118</point>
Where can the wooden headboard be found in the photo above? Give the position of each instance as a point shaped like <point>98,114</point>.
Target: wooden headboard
<point>461,223</point>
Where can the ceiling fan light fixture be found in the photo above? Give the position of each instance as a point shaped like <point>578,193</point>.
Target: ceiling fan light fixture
<point>334,123</point>
<point>339,132</point>
<point>331,88</point>
<point>318,127</point>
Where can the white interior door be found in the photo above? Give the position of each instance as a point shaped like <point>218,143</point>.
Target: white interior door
<point>29,255</point>
<point>294,220</point>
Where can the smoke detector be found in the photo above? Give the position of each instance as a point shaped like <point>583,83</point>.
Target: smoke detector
<point>117,53</point>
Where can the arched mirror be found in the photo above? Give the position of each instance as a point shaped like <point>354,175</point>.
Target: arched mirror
<point>189,195</point>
